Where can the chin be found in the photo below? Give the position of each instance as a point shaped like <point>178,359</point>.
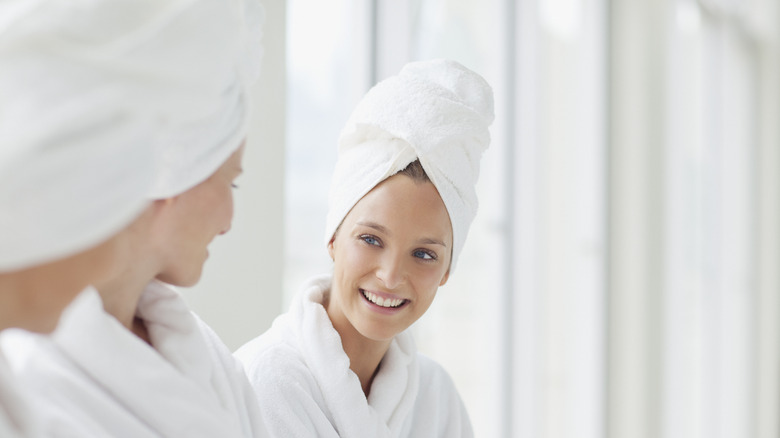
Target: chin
<point>181,279</point>
<point>189,280</point>
<point>378,333</point>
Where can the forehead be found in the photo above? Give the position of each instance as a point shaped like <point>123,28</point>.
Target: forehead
<point>404,206</point>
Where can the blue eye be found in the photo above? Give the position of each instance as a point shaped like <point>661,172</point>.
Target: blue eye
<point>235,186</point>
<point>425,255</point>
<point>371,240</point>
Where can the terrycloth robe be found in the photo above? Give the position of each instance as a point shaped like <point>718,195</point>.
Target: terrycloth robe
<point>15,421</point>
<point>93,377</point>
<point>305,387</point>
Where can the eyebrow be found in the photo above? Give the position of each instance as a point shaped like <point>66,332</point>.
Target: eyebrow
<point>430,241</point>
<point>375,226</point>
<point>383,229</point>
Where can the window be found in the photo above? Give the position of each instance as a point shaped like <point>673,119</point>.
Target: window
<point>620,278</point>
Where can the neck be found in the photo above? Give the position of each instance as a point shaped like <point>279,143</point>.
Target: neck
<point>364,354</point>
<point>12,289</point>
<point>21,303</point>
<point>10,303</point>
<point>121,294</point>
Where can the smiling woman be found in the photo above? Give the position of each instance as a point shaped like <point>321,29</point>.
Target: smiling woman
<point>342,362</point>
<point>387,268</point>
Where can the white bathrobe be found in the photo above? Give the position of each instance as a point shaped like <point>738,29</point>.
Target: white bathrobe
<point>15,421</point>
<point>305,387</point>
<point>94,378</point>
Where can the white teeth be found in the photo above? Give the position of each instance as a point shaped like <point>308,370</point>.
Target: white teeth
<point>379,301</point>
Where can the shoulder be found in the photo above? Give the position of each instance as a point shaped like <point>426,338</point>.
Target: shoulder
<point>438,399</point>
<point>290,398</point>
<point>271,363</point>
<point>439,388</point>
<point>432,372</point>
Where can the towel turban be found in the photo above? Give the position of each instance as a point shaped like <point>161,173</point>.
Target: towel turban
<point>88,89</point>
<point>195,148</point>
<point>437,112</point>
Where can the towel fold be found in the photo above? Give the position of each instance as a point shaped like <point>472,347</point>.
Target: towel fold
<point>193,149</point>
<point>87,89</point>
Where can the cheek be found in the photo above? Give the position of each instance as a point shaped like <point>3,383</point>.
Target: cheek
<point>352,259</point>
<point>428,278</point>
<point>230,201</point>
<point>229,204</point>
<point>220,209</point>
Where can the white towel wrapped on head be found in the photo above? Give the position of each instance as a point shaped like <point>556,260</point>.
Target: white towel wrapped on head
<point>435,111</point>
<point>194,149</point>
<point>87,89</point>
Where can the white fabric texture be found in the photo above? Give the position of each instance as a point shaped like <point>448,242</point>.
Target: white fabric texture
<point>194,150</point>
<point>436,111</point>
<point>305,387</point>
<point>15,421</point>
<point>87,89</point>
<point>93,377</point>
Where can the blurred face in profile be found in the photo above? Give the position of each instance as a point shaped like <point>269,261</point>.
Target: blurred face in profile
<point>194,218</point>
<point>34,298</point>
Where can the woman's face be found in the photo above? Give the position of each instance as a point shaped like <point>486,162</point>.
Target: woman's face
<point>391,253</point>
<point>195,218</point>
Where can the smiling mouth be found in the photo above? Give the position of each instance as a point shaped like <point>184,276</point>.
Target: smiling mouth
<point>388,303</point>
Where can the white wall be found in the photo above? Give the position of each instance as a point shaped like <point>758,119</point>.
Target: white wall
<point>241,289</point>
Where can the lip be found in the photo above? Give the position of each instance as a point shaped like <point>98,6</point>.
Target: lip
<point>380,309</point>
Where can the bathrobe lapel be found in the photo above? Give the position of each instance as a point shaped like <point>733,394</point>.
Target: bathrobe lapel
<point>173,389</point>
<point>395,386</point>
<point>306,388</point>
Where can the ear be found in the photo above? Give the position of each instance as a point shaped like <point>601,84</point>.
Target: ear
<point>445,278</point>
<point>164,202</point>
<point>162,208</point>
<point>330,248</point>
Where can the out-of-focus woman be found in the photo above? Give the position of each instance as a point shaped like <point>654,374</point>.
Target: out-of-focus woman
<point>129,358</point>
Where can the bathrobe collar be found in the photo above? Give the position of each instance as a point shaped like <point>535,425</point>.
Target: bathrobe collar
<point>393,390</point>
<point>133,372</point>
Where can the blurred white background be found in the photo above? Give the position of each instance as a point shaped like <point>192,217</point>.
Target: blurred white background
<point>622,278</point>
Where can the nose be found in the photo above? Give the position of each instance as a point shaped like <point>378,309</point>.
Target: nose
<point>224,231</point>
<point>391,270</point>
